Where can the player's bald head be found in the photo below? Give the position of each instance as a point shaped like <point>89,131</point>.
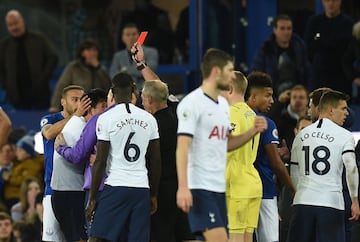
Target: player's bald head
<point>13,13</point>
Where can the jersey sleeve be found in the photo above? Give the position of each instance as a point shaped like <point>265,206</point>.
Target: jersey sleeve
<point>271,136</point>
<point>102,128</point>
<point>154,129</point>
<point>349,145</point>
<point>294,161</point>
<point>187,116</point>
<point>352,174</point>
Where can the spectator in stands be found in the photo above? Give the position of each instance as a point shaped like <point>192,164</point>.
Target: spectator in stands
<point>31,229</point>
<point>123,62</point>
<point>6,228</point>
<point>327,36</point>
<point>283,56</point>
<point>26,65</point>
<point>8,158</point>
<point>89,20</point>
<point>6,163</point>
<point>151,18</point>
<point>5,126</point>
<point>18,227</point>
<point>28,163</point>
<point>351,60</point>
<point>14,136</point>
<point>86,71</point>
<point>286,114</point>
<point>25,208</point>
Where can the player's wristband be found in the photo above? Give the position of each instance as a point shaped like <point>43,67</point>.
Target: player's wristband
<point>141,67</point>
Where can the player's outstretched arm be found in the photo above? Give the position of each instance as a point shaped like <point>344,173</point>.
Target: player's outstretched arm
<point>183,196</point>
<point>139,58</point>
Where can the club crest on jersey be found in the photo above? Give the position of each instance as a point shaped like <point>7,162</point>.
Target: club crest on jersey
<point>185,115</point>
<point>43,122</point>
<point>219,133</point>
<point>275,133</point>
<point>99,128</point>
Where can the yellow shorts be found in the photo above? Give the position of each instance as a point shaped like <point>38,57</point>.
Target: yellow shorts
<point>243,214</point>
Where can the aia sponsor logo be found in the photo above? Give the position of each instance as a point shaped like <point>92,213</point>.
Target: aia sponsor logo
<point>219,133</point>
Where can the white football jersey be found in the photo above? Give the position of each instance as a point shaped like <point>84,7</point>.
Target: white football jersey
<point>129,130</point>
<point>67,176</point>
<point>318,149</point>
<point>208,123</point>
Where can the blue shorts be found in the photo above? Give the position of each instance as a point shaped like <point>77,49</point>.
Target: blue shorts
<point>122,212</point>
<point>208,211</point>
<point>316,223</point>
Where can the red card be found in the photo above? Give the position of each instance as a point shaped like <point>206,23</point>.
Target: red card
<point>141,38</point>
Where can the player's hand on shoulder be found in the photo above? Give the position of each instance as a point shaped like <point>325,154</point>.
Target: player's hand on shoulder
<point>59,141</point>
<point>184,199</point>
<point>260,123</point>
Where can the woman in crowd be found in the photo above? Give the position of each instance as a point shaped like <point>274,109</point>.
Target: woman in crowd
<point>85,71</point>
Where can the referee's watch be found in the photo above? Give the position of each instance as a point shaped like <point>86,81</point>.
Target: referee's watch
<point>141,66</point>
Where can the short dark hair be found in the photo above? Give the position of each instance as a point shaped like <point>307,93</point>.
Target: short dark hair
<point>87,44</point>
<point>332,98</point>
<point>214,57</point>
<point>96,95</point>
<point>123,86</point>
<point>281,17</point>
<point>130,25</point>
<point>315,95</point>
<point>257,80</point>
<point>5,216</point>
<point>71,87</point>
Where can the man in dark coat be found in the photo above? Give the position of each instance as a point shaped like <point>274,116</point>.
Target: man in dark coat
<point>26,65</point>
<point>283,56</point>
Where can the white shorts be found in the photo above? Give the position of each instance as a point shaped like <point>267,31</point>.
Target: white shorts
<point>51,227</point>
<point>268,226</point>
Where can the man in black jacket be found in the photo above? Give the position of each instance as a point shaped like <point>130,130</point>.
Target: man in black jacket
<point>26,65</point>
